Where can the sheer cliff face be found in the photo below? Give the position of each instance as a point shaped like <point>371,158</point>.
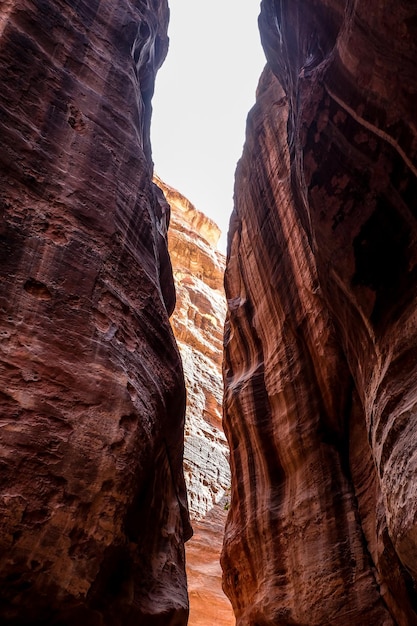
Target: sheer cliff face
<point>93,506</point>
<point>198,326</point>
<point>320,362</point>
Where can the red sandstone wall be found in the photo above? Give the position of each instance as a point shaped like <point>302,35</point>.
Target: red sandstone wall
<point>321,345</point>
<point>92,495</point>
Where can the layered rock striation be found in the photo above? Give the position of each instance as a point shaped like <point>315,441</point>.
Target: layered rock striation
<point>198,322</point>
<point>198,327</point>
<point>320,341</point>
<point>92,494</point>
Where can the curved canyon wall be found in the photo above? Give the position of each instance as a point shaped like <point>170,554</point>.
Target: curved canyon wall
<point>321,336</point>
<point>198,322</point>
<point>93,504</point>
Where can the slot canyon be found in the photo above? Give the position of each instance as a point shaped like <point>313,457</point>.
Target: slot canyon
<point>197,322</point>
<point>119,386</point>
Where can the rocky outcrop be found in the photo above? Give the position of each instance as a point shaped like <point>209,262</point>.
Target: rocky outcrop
<point>93,505</point>
<point>321,343</point>
<point>198,326</point>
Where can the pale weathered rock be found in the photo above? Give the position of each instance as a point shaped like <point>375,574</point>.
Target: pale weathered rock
<point>321,337</point>
<point>198,321</point>
<point>198,326</point>
<point>93,505</point>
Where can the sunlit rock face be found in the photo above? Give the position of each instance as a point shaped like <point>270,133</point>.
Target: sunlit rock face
<point>198,326</point>
<point>321,335</point>
<point>198,322</point>
<point>93,505</point>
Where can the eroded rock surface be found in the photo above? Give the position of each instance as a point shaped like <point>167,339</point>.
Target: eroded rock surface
<point>198,322</point>
<point>93,505</point>
<point>208,603</point>
<point>198,326</point>
<point>320,363</point>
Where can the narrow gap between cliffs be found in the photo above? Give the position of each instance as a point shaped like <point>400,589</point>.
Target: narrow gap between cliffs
<point>203,94</point>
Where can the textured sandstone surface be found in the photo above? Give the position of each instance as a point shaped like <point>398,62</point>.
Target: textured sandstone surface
<point>198,322</point>
<point>208,603</point>
<point>321,336</point>
<point>93,510</point>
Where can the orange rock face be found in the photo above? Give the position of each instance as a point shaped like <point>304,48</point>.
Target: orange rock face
<point>208,603</point>
<point>198,326</point>
<point>321,343</point>
<point>93,510</point>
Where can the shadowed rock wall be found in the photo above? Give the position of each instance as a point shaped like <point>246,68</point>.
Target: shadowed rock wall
<point>321,343</point>
<point>93,507</point>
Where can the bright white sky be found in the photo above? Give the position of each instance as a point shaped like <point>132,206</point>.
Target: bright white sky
<point>203,94</point>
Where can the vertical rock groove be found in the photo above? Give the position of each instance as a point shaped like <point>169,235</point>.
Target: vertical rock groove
<point>320,340</point>
<point>92,495</point>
